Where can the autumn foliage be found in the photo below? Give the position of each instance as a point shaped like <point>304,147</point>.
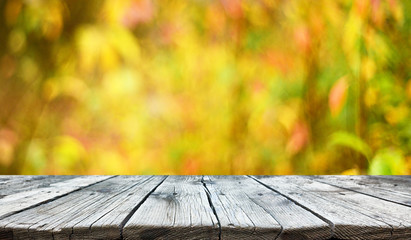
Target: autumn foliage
<point>205,87</point>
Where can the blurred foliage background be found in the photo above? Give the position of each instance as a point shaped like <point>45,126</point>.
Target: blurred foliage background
<point>205,87</point>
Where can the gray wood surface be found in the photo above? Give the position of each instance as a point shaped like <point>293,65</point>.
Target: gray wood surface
<point>19,201</point>
<point>395,190</point>
<point>248,210</point>
<point>354,215</point>
<point>13,184</point>
<point>95,212</point>
<point>205,207</point>
<point>346,222</point>
<point>178,209</point>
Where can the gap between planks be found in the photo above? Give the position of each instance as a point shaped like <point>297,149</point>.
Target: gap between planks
<point>373,211</point>
<point>210,201</point>
<point>330,223</point>
<point>129,215</point>
<point>365,191</point>
<point>140,203</point>
<point>124,222</point>
<point>46,200</point>
<point>61,202</point>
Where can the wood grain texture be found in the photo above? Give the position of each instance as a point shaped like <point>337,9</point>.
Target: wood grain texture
<point>117,211</point>
<point>21,200</point>
<point>208,207</point>
<point>348,222</point>
<point>248,210</point>
<point>96,212</point>
<point>12,184</point>
<point>396,215</point>
<point>177,209</point>
<point>396,190</point>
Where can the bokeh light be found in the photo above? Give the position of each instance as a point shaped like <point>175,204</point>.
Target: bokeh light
<point>205,87</point>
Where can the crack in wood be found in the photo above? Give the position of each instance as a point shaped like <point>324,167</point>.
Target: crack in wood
<point>207,191</point>
<point>223,207</point>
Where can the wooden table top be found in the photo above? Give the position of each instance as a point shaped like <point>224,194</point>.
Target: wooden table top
<point>205,207</point>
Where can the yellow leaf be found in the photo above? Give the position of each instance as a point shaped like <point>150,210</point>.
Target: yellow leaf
<point>351,171</point>
<point>371,97</point>
<point>68,154</point>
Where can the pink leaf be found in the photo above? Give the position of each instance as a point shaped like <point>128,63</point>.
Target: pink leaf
<point>140,11</point>
<point>298,139</point>
<point>233,8</point>
<point>303,39</point>
<point>338,96</point>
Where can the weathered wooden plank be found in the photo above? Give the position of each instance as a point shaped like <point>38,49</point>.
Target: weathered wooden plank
<point>348,222</point>
<point>178,209</point>
<point>394,177</point>
<point>19,201</point>
<point>121,210</point>
<point>140,207</point>
<point>95,212</point>
<point>12,184</point>
<point>248,210</point>
<point>400,183</point>
<point>395,190</point>
<point>396,215</point>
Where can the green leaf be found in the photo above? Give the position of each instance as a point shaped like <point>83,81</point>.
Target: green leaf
<point>351,141</point>
<point>386,162</point>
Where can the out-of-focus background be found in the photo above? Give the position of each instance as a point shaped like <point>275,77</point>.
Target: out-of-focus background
<point>205,87</point>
